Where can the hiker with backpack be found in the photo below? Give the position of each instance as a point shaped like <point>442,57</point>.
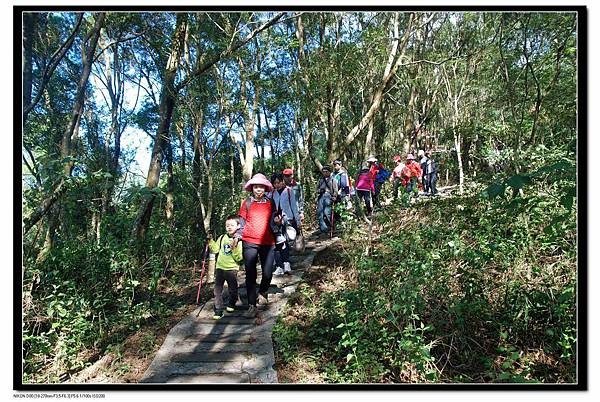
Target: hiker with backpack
<point>415,173</point>
<point>327,191</point>
<point>286,205</point>
<point>228,259</point>
<point>431,173</point>
<point>380,175</point>
<point>258,223</point>
<point>396,177</point>
<point>340,175</point>
<point>288,178</point>
<point>423,163</point>
<point>365,188</point>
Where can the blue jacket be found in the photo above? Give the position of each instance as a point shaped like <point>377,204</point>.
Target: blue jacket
<point>287,202</point>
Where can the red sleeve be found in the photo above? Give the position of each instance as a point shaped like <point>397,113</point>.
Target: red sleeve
<point>242,213</point>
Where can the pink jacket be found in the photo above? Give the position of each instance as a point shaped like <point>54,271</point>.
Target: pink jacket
<point>365,182</point>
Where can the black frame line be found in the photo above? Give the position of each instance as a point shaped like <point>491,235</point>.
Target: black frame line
<point>582,205</point>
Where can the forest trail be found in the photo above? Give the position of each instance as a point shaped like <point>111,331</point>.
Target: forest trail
<point>233,349</point>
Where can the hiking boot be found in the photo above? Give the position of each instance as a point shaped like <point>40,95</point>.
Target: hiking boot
<point>217,315</point>
<point>287,268</point>
<point>263,298</point>
<point>278,271</point>
<point>251,312</point>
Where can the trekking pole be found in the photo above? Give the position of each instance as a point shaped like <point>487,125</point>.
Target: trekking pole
<point>202,273</point>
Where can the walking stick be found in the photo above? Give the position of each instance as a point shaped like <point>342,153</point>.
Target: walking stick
<point>202,273</point>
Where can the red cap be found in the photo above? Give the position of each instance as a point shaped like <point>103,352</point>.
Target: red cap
<point>288,171</point>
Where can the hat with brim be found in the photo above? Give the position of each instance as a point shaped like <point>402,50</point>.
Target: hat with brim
<point>288,172</point>
<point>326,168</point>
<point>410,156</point>
<point>372,159</point>
<point>260,179</point>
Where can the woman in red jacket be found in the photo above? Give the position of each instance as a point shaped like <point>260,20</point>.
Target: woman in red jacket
<point>257,224</point>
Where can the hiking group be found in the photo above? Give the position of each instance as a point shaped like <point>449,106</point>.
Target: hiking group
<point>269,221</point>
<point>267,224</point>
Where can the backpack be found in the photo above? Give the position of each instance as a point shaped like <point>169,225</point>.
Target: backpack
<point>382,174</point>
<point>289,191</point>
<point>220,241</point>
<point>415,169</point>
<point>249,203</point>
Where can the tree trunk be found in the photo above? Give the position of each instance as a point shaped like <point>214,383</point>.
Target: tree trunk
<point>169,191</point>
<point>87,60</point>
<point>181,136</point>
<point>390,70</point>
<point>248,116</point>
<point>461,177</point>
<point>167,103</point>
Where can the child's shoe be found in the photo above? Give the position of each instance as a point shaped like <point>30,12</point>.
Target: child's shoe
<point>218,315</point>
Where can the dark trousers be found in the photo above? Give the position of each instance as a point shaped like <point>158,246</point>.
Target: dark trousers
<point>411,184</point>
<point>324,205</point>
<point>425,179</point>
<point>376,195</point>
<point>222,276</point>
<point>366,196</point>
<point>282,254</point>
<point>432,179</point>
<point>397,184</point>
<point>252,252</point>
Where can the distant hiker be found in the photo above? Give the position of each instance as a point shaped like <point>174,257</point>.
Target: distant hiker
<point>288,178</point>
<point>340,175</point>
<point>431,172</point>
<point>379,175</point>
<point>415,173</point>
<point>286,205</point>
<point>365,187</point>
<point>227,265</point>
<point>258,223</point>
<point>396,177</point>
<point>326,189</point>
<point>423,162</point>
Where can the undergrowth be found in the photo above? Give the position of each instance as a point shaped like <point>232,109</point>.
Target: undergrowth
<point>478,288</point>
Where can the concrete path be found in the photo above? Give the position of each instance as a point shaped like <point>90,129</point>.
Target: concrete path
<point>233,349</point>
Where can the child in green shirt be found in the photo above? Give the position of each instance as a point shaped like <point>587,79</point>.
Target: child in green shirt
<point>229,256</point>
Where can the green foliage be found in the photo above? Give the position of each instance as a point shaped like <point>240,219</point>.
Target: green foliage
<point>486,296</point>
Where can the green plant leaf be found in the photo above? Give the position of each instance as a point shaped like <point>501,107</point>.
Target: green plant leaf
<point>494,190</point>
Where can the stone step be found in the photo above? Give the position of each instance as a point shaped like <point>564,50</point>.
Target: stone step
<point>210,357</point>
<point>225,330</point>
<point>194,345</point>
<point>228,319</point>
<point>195,368</point>
<point>221,338</point>
<point>242,378</point>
